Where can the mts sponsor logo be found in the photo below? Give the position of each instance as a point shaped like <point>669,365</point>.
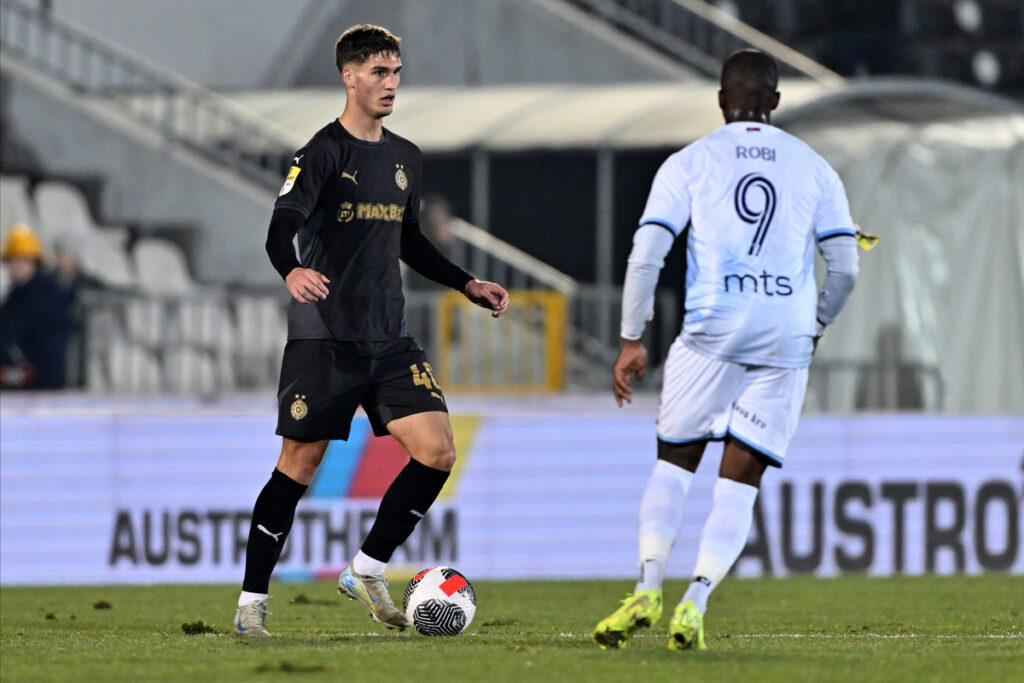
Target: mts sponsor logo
<point>765,283</point>
<point>888,527</point>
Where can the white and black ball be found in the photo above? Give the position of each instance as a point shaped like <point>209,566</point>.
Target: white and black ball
<point>439,602</point>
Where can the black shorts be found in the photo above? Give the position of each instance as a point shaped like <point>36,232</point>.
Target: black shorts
<point>323,381</point>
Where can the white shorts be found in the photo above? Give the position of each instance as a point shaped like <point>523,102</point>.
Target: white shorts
<point>708,399</point>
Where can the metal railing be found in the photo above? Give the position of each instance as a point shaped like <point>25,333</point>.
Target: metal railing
<point>181,111</point>
<point>231,341</point>
<point>494,259</point>
<point>701,35</point>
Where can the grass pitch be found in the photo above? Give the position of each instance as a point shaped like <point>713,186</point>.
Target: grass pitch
<point>797,629</point>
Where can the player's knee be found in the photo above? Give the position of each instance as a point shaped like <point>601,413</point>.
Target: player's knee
<point>440,457</point>
<point>299,460</point>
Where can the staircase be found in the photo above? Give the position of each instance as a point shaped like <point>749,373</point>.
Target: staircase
<point>182,112</point>
<point>700,35</point>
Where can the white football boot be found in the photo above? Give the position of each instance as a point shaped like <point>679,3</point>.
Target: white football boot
<point>249,619</point>
<point>372,591</point>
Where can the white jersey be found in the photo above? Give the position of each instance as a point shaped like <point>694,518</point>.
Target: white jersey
<point>756,199</point>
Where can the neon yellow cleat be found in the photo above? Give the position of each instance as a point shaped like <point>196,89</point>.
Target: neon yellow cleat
<point>638,610</point>
<point>686,630</point>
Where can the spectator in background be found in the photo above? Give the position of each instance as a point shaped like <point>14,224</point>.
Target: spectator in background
<point>74,283</point>
<point>71,278</point>
<point>35,320</point>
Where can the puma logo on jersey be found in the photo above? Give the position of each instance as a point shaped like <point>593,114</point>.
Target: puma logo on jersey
<point>296,160</point>
<point>351,176</point>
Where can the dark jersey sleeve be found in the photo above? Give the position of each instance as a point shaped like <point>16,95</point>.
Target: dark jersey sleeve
<point>423,257</point>
<point>310,170</point>
<point>418,251</point>
<point>284,223</point>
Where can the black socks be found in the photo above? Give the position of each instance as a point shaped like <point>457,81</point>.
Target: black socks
<point>404,504</point>
<point>272,518</point>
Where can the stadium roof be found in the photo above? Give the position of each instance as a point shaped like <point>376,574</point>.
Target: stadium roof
<point>619,116</point>
<point>517,117</point>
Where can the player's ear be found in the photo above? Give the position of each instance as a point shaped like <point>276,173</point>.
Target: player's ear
<point>348,77</point>
<point>721,100</point>
<point>775,100</point>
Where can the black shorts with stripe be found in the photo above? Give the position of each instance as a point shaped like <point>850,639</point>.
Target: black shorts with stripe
<point>323,382</point>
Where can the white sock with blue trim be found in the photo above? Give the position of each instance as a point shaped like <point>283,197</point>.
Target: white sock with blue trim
<point>723,538</point>
<point>661,515</point>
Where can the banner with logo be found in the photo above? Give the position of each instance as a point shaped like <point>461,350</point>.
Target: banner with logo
<point>106,495</point>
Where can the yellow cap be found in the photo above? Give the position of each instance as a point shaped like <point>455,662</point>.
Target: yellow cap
<point>22,243</point>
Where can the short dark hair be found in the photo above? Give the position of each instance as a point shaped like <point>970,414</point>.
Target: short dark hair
<point>751,71</point>
<point>361,42</point>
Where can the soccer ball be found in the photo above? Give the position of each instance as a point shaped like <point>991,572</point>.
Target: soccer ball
<point>439,602</point>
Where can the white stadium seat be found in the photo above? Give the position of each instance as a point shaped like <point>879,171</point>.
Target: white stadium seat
<point>262,333</point>
<point>190,371</point>
<point>63,213</point>
<point>123,368</point>
<point>207,322</point>
<point>16,206</point>
<point>110,264</point>
<point>161,268</point>
<point>145,322</point>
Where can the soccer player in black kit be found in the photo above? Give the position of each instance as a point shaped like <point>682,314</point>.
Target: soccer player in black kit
<point>352,195</point>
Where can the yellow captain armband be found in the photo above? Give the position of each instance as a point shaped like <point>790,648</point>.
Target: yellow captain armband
<point>867,242</point>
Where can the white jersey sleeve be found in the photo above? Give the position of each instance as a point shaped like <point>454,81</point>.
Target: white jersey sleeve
<point>668,204</point>
<point>832,217</point>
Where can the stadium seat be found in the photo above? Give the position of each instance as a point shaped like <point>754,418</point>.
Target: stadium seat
<point>262,333</point>
<point>63,213</point>
<point>109,263</point>
<point>145,322</point>
<point>206,322</point>
<point>161,268</point>
<point>121,367</point>
<point>190,371</point>
<point>16,206</point>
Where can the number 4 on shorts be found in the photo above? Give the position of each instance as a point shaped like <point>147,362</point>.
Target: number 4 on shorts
<point>424,378</point>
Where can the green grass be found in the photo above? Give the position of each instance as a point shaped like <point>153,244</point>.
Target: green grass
<point>798,629</point>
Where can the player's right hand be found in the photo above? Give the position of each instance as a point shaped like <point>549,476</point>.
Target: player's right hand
<point>307,285</point>
<point>631,361</point>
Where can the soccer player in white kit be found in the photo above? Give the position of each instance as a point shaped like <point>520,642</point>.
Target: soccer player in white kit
<point>753,202</point>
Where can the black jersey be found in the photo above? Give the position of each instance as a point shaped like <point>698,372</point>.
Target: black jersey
<point>355,197</point>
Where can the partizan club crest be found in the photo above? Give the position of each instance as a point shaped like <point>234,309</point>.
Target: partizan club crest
<point>400,178</point>
<point>299,407</point>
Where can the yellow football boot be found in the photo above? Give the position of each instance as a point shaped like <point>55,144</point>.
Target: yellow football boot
<point>638,610</point>
<point>686,630</point>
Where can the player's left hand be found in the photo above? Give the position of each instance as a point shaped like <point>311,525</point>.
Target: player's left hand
<point>487,295</point>
<point>631,361</point>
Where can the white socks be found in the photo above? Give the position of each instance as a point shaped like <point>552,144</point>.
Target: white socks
<point>364,565</point>
<point>723,538</point>
<point>245,598</point>
<point>661,515</point>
